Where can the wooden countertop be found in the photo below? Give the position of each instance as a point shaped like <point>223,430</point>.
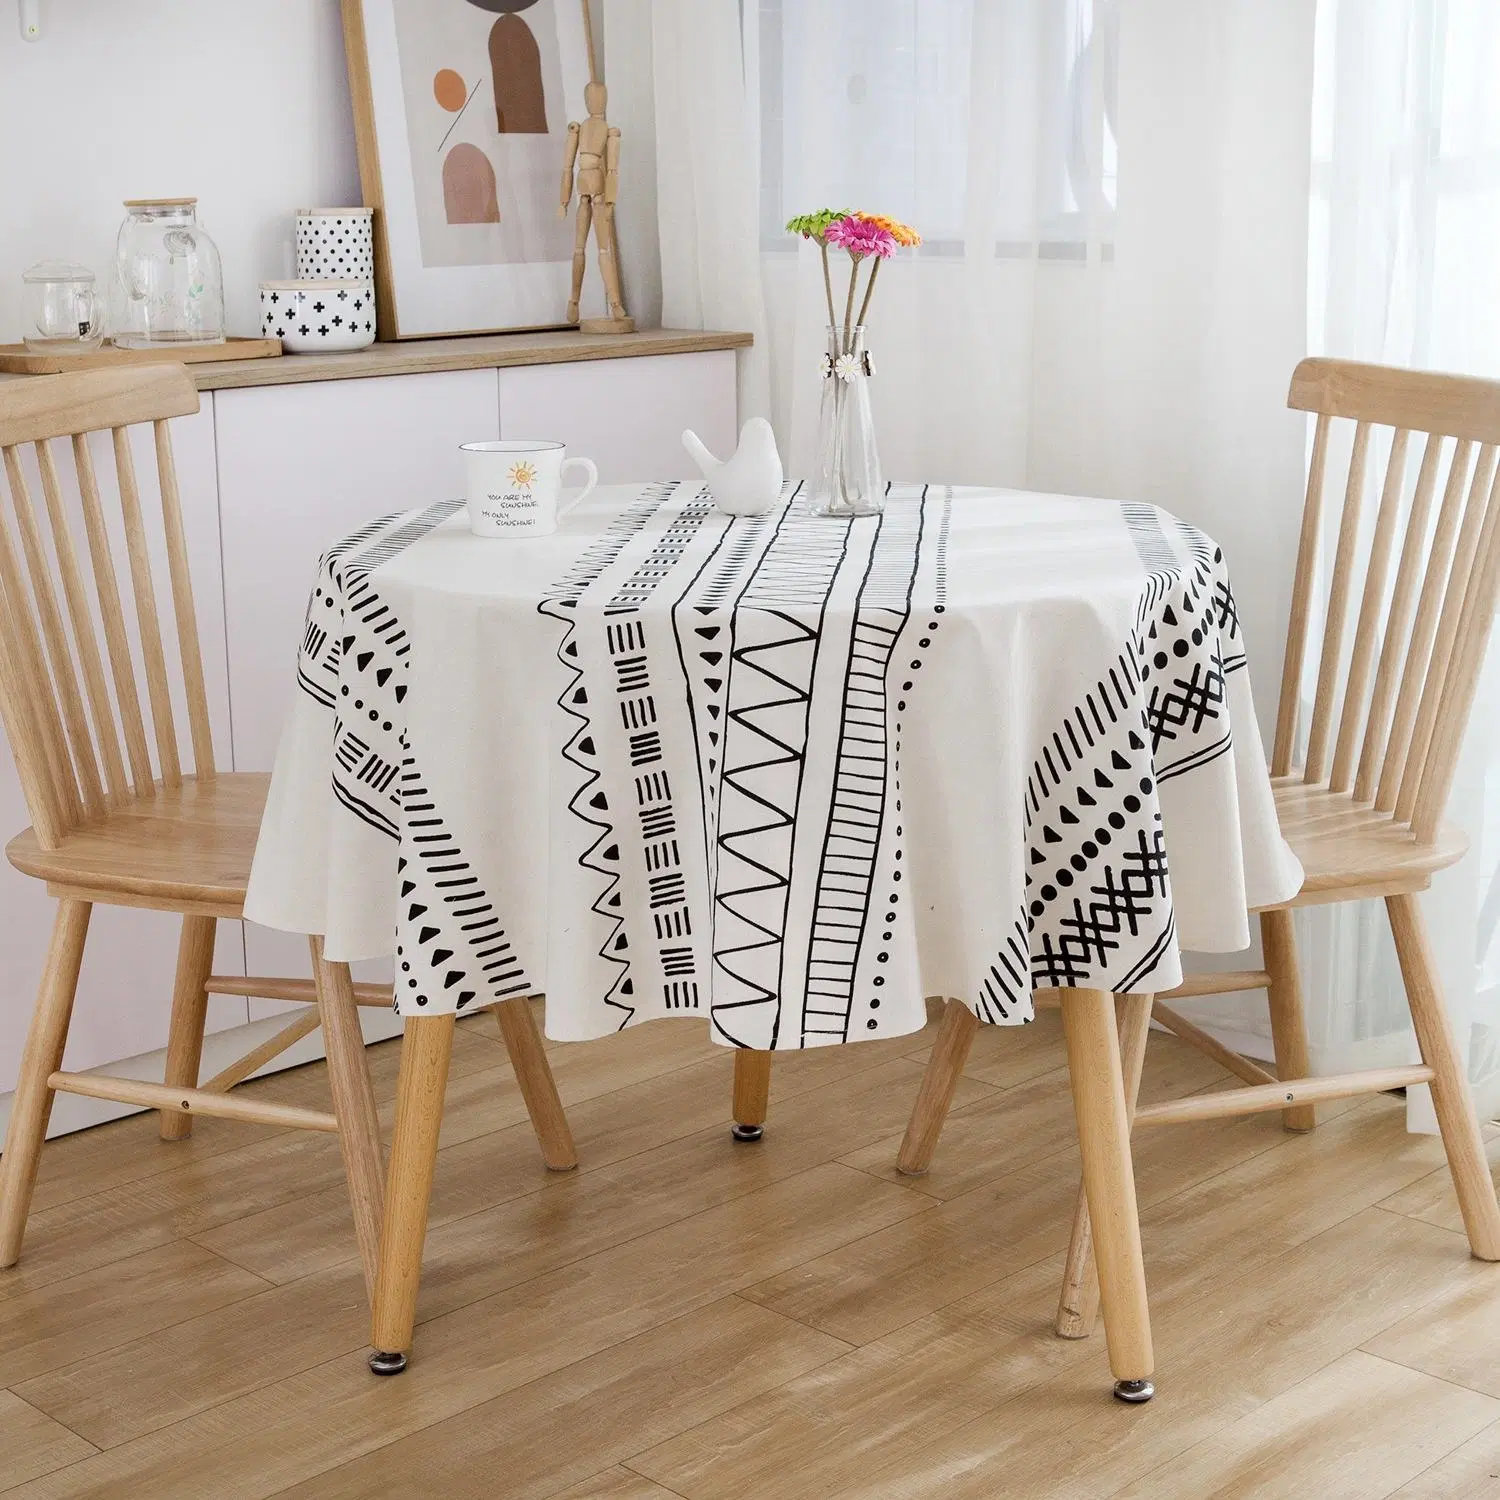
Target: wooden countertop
<point>477,352</point>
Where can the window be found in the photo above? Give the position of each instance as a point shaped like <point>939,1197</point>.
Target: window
<point>1406,183</point>
<point>903,105</point>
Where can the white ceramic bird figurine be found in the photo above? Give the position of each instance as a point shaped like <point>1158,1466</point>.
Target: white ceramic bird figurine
<point>748,483</point>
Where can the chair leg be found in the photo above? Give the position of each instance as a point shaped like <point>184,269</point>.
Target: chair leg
<point>195,961</point>
<point>426,1051</point>
<point>31,1105</point>
<point>538,1087</point>
<point>940,1078</point>
<point>353,1102</point>
<point>752,1093</point>
<point>1078,1306</point>
<point>1278,943</point>
<point>1450,1087</point>
<point>1108,1177</point>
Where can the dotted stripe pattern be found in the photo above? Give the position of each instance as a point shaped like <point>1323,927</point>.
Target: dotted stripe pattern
<point>1098,911</point>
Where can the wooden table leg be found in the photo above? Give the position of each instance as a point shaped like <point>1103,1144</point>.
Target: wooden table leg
<point>1109,1182</point>
<point>752,1093</point>
<point>939,1082</point>
<point>1078,1305</point>
<point>538,1087</point>
<point>353,1101</point>
<point>426,1050</point>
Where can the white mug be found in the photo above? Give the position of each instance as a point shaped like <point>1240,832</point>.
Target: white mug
<point>514,486</point>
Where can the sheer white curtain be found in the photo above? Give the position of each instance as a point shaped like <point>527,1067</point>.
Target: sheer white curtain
<point>1403,269</point>
<point>705,180</point>
<point>958,118</point>
<point>1112,293</point>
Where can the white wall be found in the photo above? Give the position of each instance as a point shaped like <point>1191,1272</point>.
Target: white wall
<point>243,102</point>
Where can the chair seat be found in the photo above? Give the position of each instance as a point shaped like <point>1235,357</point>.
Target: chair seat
<point>195,844</point>
<point>1345,846</point>
<point>192,844</point>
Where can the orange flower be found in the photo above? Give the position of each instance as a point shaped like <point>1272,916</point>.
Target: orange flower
<point>903,234</point>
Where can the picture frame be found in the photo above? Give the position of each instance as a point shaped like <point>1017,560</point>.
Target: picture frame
<point>461,112</point>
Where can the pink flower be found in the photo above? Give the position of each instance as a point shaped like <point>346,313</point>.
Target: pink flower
<point>861,237</point>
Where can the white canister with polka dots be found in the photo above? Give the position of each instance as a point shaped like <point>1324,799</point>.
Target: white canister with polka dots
<point>335,244</point>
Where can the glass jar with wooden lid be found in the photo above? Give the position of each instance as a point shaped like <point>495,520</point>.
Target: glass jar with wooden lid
<point>169,284</point>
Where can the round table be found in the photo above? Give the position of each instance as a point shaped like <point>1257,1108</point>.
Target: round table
<point>789,774</point>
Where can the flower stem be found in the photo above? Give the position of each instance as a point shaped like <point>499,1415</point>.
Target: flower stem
<point>864,306</point>
<point>849,307</point>
<point>827,283</point>
<point>840,486</point>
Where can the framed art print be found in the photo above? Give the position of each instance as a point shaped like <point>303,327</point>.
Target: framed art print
<point>461,111</point>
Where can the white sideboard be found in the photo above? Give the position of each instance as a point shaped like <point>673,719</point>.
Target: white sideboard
<point>272,470</point>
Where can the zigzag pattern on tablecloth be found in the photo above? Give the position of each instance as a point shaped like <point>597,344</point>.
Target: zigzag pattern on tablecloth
<point>701,624</point>
<point>602,856</point>
<point>862,778</point>
<point>773,658</point>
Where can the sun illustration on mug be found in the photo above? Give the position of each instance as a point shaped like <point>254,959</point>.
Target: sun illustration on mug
<point>523,474</point>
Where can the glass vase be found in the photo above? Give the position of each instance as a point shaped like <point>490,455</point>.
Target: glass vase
<point>848,481</point>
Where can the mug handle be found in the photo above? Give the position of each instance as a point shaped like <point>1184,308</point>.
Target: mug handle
<point>88,298</point>
<point>593,473</point>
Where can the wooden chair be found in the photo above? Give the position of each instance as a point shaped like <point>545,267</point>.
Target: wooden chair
<point>1363,808</point>
<point>110,827</point>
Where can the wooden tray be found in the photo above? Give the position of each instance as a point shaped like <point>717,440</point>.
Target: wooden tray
<point>17,359</point>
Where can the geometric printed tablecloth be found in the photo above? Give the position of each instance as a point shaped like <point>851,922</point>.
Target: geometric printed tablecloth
<point>786,773</point>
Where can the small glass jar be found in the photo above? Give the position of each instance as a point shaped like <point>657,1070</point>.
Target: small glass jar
<point>61,313</point>
<point>169,286</point>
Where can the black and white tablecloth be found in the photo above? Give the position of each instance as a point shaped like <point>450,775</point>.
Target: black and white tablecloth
<point>787,773</point>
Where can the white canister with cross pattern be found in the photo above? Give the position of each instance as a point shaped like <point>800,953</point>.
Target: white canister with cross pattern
<point>318,317</point>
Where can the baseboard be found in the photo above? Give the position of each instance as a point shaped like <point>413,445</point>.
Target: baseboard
<point>72,1112</point>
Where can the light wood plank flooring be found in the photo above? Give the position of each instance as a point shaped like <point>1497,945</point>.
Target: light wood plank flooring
<point>687,1317</point>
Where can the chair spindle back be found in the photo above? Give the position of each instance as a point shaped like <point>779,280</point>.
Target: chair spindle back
<point>73,711</point>
<point>1391,704</point>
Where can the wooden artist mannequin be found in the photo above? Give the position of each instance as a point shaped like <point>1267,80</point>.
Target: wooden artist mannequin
<point>594,151</point>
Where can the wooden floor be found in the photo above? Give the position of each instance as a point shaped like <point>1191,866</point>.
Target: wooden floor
<point>687,1317</point>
